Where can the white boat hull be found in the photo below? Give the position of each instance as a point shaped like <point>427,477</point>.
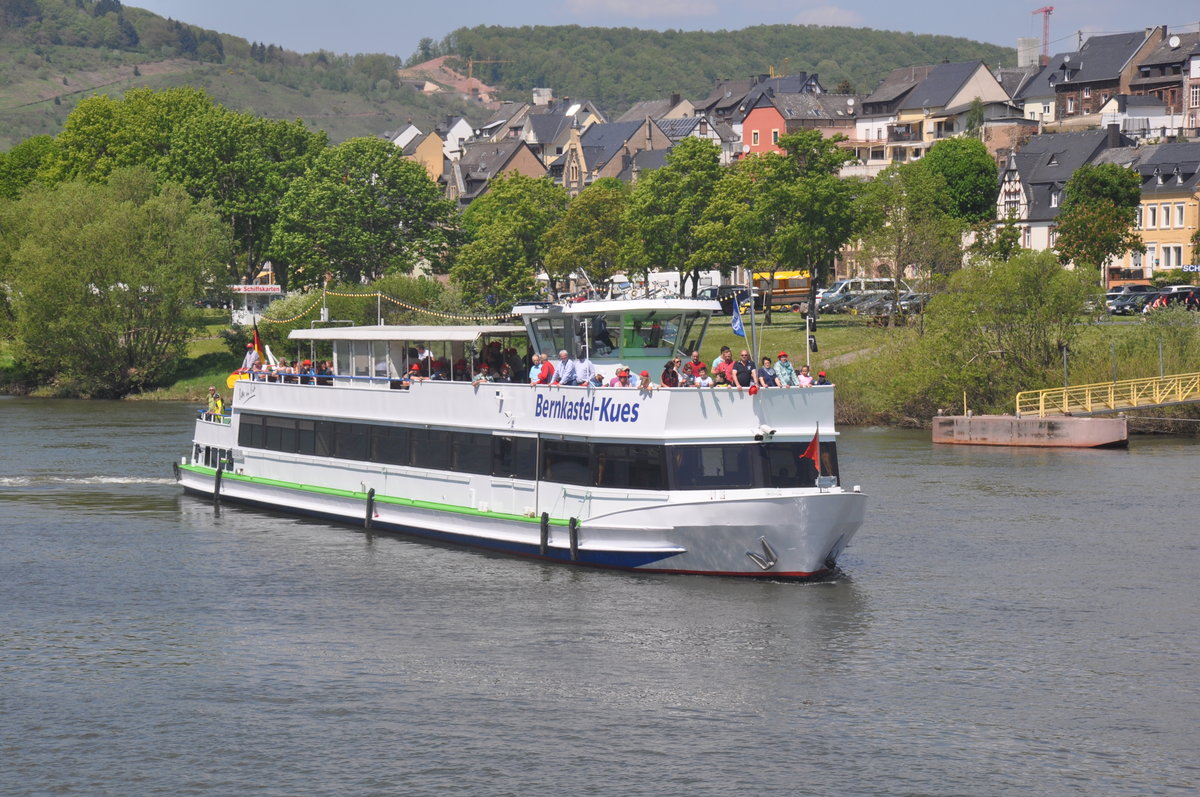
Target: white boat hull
<point>788,537</point>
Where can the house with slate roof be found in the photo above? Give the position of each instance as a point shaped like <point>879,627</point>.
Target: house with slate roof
<point>719,133</point>
<point>427,149</point>
<point>1169,214</point>
<point>1031,185</point>
<point>673,107</point>
<point>604,150</point>
<point>1036,95</point>
<point>548,128</point>
<point>1161,72</point>
<point>454,132</point>
<point>482,161</point>
<point>775,114</point>
<point>1104,67</point>
<point>916,106</point>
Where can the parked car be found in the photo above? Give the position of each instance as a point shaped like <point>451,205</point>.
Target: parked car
<point>1130,303</point>
<point>727,295</point>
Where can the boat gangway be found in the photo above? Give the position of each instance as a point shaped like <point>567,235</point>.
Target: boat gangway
<point>1109,397</point>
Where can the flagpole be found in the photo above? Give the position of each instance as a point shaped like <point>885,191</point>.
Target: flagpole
<point>753,326</point>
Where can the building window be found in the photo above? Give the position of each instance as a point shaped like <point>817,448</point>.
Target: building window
<point>1137,223</point>
<point>1195,94</point>
<point>1070,105</point>
<point>774,136</point>
<point>1166,216</point>
<point>1152,256</point>
<point>1152,217</point>
<point>1045,109</point>
<point>1087,92</point>
<point>1179,214</point>
<point>1055,196</point>
<point>1174,255</point>
<point>1026,238</point>
<point>1053,237</point>
<point>754,138</point>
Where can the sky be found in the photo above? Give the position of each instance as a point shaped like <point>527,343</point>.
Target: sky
<point>373,26</point>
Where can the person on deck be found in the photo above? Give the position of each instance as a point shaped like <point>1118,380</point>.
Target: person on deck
<point>252,357</point>
<point>804,378</point>
<point>216,406</point>
<point>821,379</point>
<point>743,370</point>
<point>785,372</point>
<point>765,375</point>
<point>564,370</point>
<point>723,370</point>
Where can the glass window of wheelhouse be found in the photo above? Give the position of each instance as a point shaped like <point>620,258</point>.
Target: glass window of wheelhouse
<point>341,358</point>
<point>595,331</point>
<point>361,357</point>
<point>549,334</point>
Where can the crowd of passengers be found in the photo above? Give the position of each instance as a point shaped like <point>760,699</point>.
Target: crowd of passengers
<point>501,365</point>
<point>740,373</point>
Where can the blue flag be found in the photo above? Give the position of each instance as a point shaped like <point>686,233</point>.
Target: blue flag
<point>738,328</point>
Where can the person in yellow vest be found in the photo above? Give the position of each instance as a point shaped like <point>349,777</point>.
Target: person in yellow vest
<point>216,406</point>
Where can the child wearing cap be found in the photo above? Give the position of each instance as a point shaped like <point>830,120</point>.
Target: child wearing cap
<point>821,379</point>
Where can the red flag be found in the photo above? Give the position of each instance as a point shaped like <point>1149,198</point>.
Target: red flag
<point>258,344</point>
<point>813,451</point>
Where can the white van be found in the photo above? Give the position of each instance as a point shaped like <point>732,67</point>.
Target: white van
<point>859,285</point>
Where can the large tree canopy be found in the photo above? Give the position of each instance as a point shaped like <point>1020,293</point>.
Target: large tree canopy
<point>361,210</point>
<point>507,228</point>
<point>101,279</point>
<point>588,236</point>
<point>1099,210</point>
<point>245,165</point>
<point>666,208</point>
<point>970,175</point>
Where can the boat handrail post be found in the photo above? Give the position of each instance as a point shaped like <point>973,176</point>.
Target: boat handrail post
<point>217,485</point>
<point>573,526</point>
<point>370,508</point>
<point>545,524</point>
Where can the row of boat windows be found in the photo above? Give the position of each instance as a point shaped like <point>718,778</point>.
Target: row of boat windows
<point>593,464</point>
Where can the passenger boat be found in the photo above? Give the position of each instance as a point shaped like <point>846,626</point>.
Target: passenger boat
<point>672,480</point>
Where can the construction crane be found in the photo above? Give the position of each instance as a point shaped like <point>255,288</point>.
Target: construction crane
<point>1045,11</point>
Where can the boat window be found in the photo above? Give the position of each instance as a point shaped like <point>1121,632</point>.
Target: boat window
<point>431,449</point>
<point>630,466</point>
<point>784,465</point>
<point>472,453</point>
<point>379,357</point>
<point>360,357</point>
<point>514,457</point>
<point>688,338</point>
<point>250,430</point>
<point>325,434</point>
<point>389,445</point>
<point>306,437</point>
<point>566,462</point>
<point>352,441</point>
<point>341,357</point>
<point>549,335</point>
<point>710,467</point>
<point>651,332</point>
<point>594,329</point>
<point>281,434</point>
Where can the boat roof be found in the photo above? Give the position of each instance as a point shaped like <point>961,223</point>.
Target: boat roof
<point>445,333</point>
<point>594,306</point>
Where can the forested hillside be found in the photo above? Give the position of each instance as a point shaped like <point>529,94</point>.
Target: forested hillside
<point>55,52</point>
<point>615,67</point>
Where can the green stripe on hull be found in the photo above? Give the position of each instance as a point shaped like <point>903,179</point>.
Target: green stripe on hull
<point>382,499</point>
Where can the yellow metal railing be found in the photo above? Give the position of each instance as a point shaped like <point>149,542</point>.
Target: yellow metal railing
<point>1109,396</point>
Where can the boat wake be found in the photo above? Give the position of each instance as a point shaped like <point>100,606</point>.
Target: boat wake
<point>30,481</point>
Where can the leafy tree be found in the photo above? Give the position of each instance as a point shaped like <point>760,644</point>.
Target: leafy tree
<point>245,165</point>
<point>361,210</point>
<point>103,134</point>
<point>1099,210</point>
<point>588,237</point>
<point>788,211</point>
<point>1020,312</point>
<point>976,116</point>
<point>516,211</point>
<point>19,166</point>
<point>906,223</point>
<point>971,177</point>
<point>997,243</point>
<point>101,280</point>
<point>666,205</point>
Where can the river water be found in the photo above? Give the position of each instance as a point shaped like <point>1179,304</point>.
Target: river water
<point>1007,622</point>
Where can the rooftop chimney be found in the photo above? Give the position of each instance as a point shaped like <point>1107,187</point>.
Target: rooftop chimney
<point>1114,136</point>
